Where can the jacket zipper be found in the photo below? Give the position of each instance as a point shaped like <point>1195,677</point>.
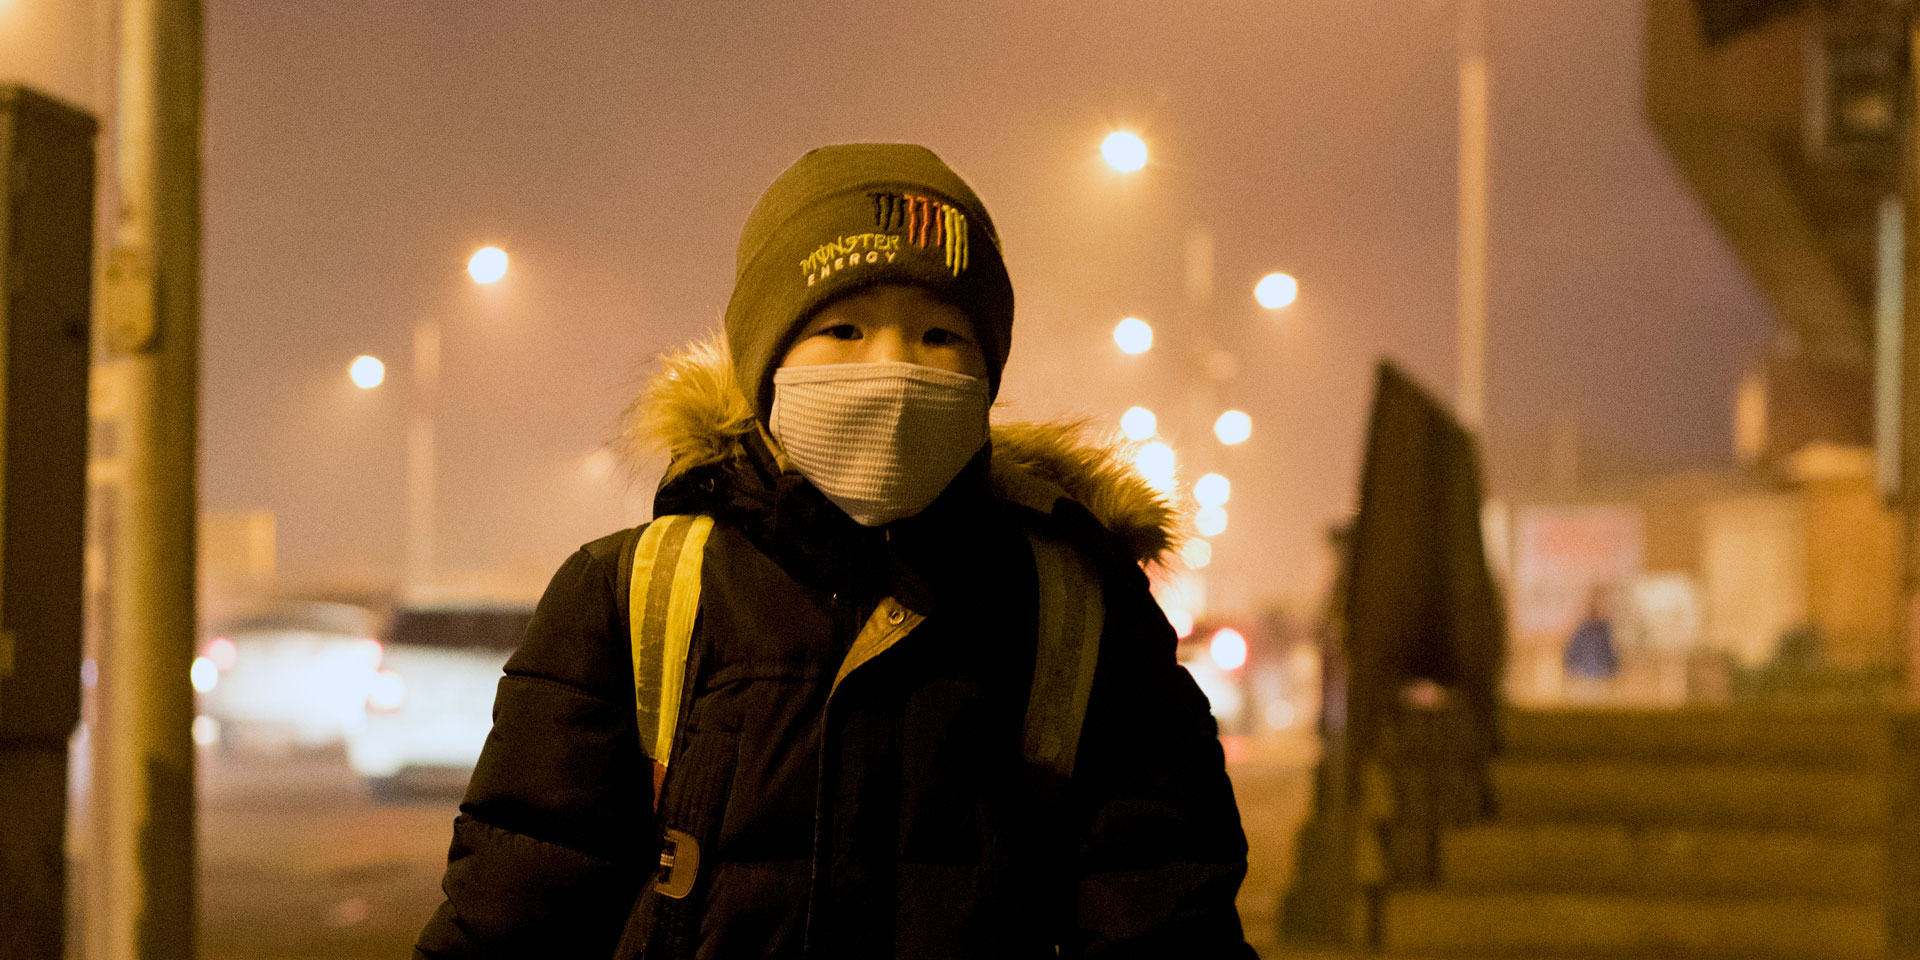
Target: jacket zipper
<point>845,616</point>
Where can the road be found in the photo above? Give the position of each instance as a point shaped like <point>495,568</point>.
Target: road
<point>298,862</point>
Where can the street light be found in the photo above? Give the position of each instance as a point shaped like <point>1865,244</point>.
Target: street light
<point>1139,423</point>
<point>1233,427</point>
<point>367,372</point>
<point>1157,465</point>
<point>487,265</point>
<point>1212,490</point>
<point>1228,647</point>
<point>1207,363</point>
<point>1124,151</point>
<point>1210,521</point>
<point>1276,290</point>
<point>1133,335</point>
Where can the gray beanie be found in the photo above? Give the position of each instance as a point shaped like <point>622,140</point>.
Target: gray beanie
<point>851,216</point>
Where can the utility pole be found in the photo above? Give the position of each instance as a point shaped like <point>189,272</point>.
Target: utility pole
<point>1909,362</point>
<point>141,900</point>
<point>1470,384</point>
<point>421,423</point>
<point>1907,622</point>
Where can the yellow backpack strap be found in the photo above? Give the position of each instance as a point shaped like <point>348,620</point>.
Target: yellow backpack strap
<point>662,601</point>
<point>1072,615</point>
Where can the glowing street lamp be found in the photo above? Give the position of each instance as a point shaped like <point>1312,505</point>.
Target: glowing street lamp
<point>1233,427</point>
<point>1133,335</point>
<point>1124,151</point>
<point>367,372</point>
<point>1212,490</point>
<point>487,265</point>
<point>1197,553</point>
<point>1276,290</point>
<point>1157,465</point>
<point>1228,648</point>
<point>204,674</point>
<point>1139,423</point>
<point>1210,521</point>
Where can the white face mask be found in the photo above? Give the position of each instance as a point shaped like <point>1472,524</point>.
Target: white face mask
<point>881,440</point>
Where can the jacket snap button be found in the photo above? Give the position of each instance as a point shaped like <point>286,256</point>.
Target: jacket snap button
<point>895,615</point>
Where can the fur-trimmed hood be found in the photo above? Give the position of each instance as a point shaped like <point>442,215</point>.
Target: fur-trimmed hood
<point>692,410</point>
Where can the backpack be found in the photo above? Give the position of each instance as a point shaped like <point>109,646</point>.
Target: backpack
<point>664,599</point>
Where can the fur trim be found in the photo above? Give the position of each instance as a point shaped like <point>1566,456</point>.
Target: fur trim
<point>1098,476</point>
<point>693,411</point>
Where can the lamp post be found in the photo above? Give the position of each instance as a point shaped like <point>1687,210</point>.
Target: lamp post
<point>1470,404</point>
<point>486,266</point>
<point>1126,153</point>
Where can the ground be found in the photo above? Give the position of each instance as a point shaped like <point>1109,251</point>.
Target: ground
<point>299,861</point>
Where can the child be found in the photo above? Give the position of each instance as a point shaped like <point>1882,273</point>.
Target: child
<point>923,704</point>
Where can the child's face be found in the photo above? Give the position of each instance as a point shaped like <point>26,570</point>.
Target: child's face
<point>891,322</point>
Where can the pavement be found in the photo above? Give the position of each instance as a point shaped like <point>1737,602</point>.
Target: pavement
<point>1273,784</point>
<point>298,861</point>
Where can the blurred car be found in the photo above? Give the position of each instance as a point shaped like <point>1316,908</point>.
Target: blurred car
<point>295,675</point>
<point>430,703</point>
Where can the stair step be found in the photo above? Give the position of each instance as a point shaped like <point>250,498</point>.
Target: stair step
<point>1838,738</point>
<point>1605,858</point>
<point>1752,796</point>
<point>1427,922</point>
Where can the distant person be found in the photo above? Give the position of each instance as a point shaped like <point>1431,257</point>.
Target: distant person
<point>906,696</point>
<point>1591,659</point>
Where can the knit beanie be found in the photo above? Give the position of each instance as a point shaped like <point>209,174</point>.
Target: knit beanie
<point>851,216</point>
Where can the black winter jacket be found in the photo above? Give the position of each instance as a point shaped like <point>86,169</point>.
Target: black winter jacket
<point>890,817</point>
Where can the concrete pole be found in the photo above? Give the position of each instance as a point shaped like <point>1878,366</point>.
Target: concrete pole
<point>1909,361</point>
<point>143,896</point>
<point>1471,349</point>
<point>420,455</point>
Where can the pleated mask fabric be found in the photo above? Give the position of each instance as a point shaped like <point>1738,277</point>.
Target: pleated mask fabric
<point>881,440</point>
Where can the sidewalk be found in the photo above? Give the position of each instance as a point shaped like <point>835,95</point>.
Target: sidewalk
<point>1273,783</point>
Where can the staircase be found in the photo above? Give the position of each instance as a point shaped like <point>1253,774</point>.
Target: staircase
<point>1701,833</point>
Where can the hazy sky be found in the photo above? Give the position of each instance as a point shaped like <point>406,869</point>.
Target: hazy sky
<point>358,151</point>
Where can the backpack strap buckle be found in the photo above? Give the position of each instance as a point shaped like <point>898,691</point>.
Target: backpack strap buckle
<point>679,865</point>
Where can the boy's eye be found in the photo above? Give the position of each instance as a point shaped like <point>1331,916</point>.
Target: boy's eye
<point>842,331</point>
<point>938,337</point>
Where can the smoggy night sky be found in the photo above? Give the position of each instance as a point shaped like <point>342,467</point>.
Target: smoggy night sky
<point>358,151</point>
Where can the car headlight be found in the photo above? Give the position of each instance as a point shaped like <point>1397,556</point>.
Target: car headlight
<point>204,674</point>
<point>388,693</point>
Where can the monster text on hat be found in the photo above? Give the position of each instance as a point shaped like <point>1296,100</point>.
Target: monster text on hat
<point>849,251</point>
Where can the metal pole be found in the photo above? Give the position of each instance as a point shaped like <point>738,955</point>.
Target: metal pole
<point>420,456</point>
<point>144,901</point>
<point>1471,351</point>
<point>1889,302</point>
<point>1909,361</point>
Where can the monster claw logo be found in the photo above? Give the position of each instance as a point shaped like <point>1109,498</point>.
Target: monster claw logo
<point>928,222</point>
